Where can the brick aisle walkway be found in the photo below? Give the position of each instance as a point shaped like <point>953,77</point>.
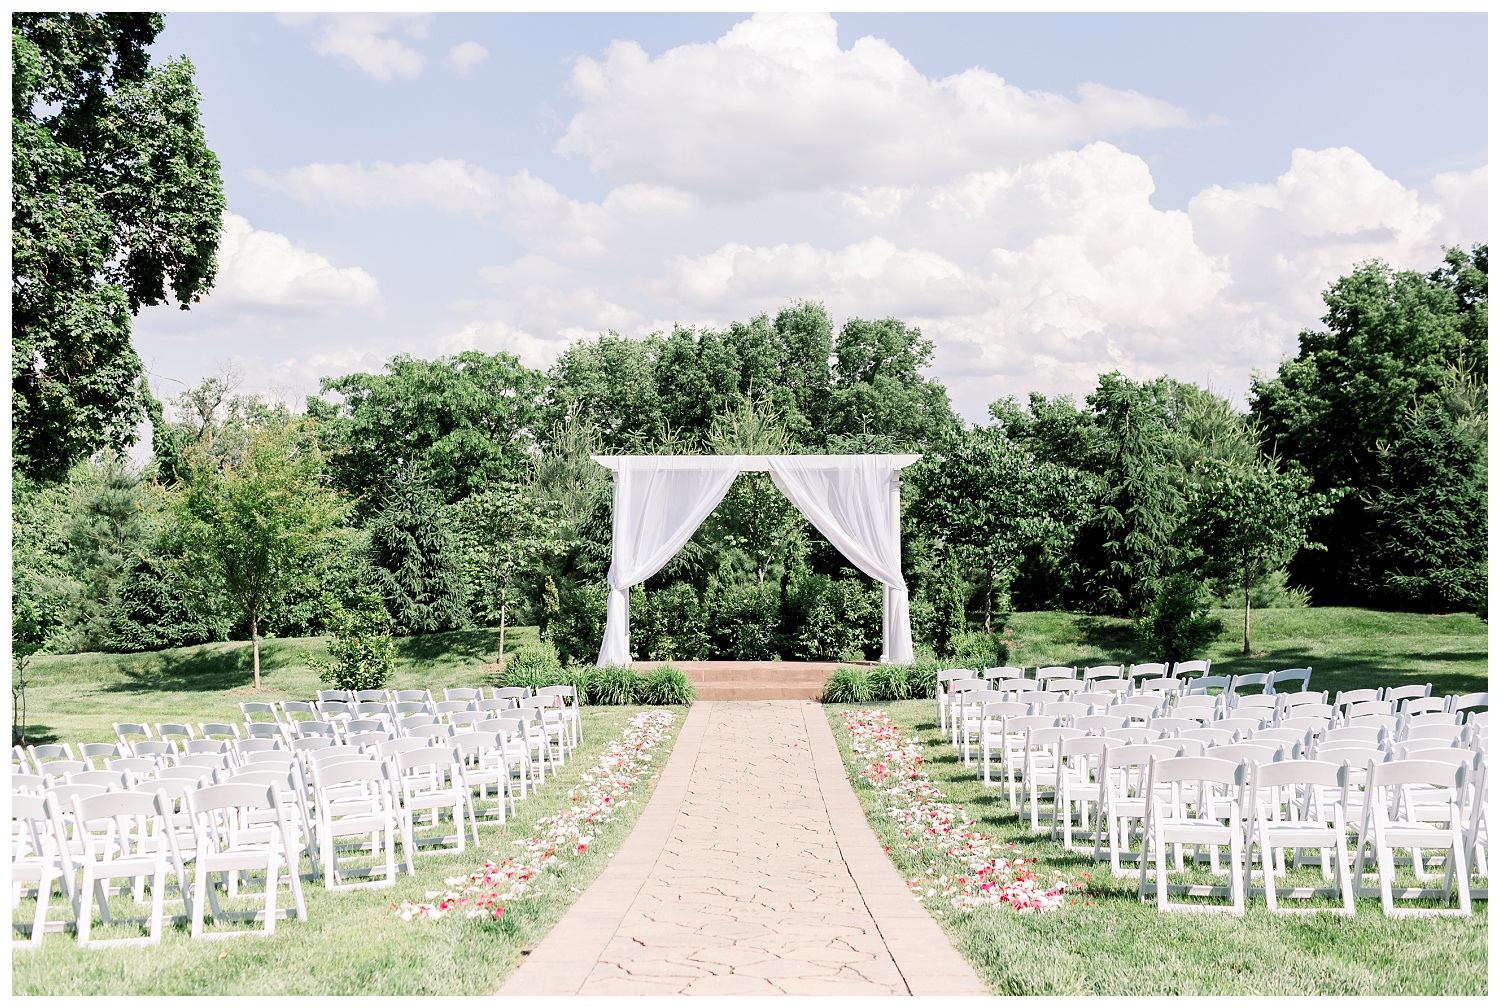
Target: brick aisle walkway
<point>751,871</point>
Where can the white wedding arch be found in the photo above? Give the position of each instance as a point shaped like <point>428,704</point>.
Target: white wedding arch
<point>660,500</point>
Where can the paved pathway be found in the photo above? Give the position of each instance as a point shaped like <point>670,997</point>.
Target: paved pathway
<point>751,871</point>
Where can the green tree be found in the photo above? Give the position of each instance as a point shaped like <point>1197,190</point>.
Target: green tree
<point>502,533</point>
<point>1128,543</point>
<point>41,589</point>
<point>1394,340</point>
<point>877,385</point>
<point>248,523</point>
<point>466,420</point>
<point>361,654</point>
<point>986,499</point>
<point>115,199</point>
<point>416,562</point>
<point>1247,521</point>
<point>107,532</point>
<point>1429,510</point>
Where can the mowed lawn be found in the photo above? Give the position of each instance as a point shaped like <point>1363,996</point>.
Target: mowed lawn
<point>1346,648</point>
<point>1108,943</point>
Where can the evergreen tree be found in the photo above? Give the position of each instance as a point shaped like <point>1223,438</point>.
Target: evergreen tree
<point>1429,515</point>
<point>106,533</point>
<point>1127,546</point>
<point>416,564</point>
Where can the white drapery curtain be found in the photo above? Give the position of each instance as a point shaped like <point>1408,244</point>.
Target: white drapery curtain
<point>855,501</point>
<point>659,503</point>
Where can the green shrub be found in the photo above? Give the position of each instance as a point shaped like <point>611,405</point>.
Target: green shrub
<point>361,654</point>
<point>978,650</point>
<point>848,685</point>
<point>668,624</point>
<point>891,682</point>
<point>613,685</point>
<point>665,686</point>
<point>1176,625</point>
<point>743,619</point>
<point>539,661</point>
<point>578,625</point>
<point>921,678</point>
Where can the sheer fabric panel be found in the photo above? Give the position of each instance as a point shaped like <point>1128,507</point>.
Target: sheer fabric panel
<point>659,504</point>
<point>854,502</point>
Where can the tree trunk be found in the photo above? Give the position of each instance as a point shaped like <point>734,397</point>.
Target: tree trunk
<point>255,646</point>
<point>989,593</point>
<point>1247,615</point>
<point>500,658</point>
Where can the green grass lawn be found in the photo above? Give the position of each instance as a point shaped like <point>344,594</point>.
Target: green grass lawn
<point>354,942</point>
<point>1346,648</point>
<point>78,697</point>
<point>1119,946</point>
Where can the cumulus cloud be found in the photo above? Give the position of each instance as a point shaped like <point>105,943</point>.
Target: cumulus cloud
<point>262,271</point>
<point>531,209</point>
<point>466,56</point>
<point>776,105</point>
<point>365,40</point>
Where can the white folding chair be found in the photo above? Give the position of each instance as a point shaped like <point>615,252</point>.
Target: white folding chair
<point>122,834</point>
<point>225,843</point>
<point>1121,798</point>
<point>1077,787</point>
<point>39,854</point>
<point>1041,766</point>
<point>355,798</point>
<point>1185,798</point>
<point>432,780</point>
<point>1389,822</point>
<point>1288,801</point>
<point>1300,677</point>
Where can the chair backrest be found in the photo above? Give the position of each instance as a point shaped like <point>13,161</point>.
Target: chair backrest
<point>60,768</point>
<point>304,729</point>
<point>409,706</point>
<point>1056,672</point>
<point>1248,752</point>
<point>367,738</point>
<point>1146,670</point>
<point>1210,736</point>
<point>1412,691</point>
<point>520,692</point>
<point>309,742</point>
<point>563,690</point>
<point>299,710</point>
<point>1211,769</point>
<point>1197,667</point>
<point>474,741</point>
<point>338,754</point>
<point>1469,701</point>
<point>43,753</point>
<point>153,747</point>
<point>1172,724</point>
<point>497,703</point>
<point>993,672</point>
<point>371,709</point>
<point>1164,685</point>
<point>1316,725</point>
<point>1133,711</point>
<point>1300,676</point>
<point>27,782</point>
<point>1051,737</point>
<point>433,756</point>
<point>1003,709</point>
<point>129,731</point>
<point>333,694</point>
<point>366,725</point>
<point>174,730</point>
<point>90,751</point>
<point>1344,698</point>
<point>1297,699</point>
<point>1027,722</point>
<point>187,773</point>
<point>1309,710</point>
<point>205,747</point>
<point>263,730</point>
<point>271,758</point>
<point>1242,723</point>
<point>1107,685</point>
<point>1387,721</point>
<point>1445,732</point>
<point>1423,705</point>
<point>1118,753</point>
<point>966,685</point>
<point>451,706</point>
<point>388,750</point>
<point>137,766</point>
<point>113,779</point>
<point>463,693</point>
<point>1250,680</point>
<point>252,709</point>
<point>1367,707</point>
<point>1195,701</point>
<point>432,731</point>
<point>1415,748</point>
<point>1204,683</point>
<point>219,730</point>
<point>421,695</point>
<point>1405,772</point>
<point>1138,735</point>
<point>1256,702</point>
<point>1104,672</point>
<point>331,709</point>
<point>1100,722</point>
<point>371,695</point>
<point>350,771</point>
<point>256,745</point>
<point>1066,708</point>
<point>235,794</point>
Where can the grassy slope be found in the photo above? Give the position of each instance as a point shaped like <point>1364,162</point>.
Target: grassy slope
<point>353,942</point>
<point>1346,648</point>
<point>78,697</point>
<point>1119,946</point>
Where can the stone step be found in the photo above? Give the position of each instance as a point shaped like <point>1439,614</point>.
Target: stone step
<point>770,680</point>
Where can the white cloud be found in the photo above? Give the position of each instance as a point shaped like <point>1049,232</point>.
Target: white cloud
<point>775,105</point>
<point>531,209</point>
<point>365,40</point>
<point>466,56</point>
<point>262,271</point>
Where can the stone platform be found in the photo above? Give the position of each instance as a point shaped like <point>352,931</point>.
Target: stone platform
<point>762,680</point>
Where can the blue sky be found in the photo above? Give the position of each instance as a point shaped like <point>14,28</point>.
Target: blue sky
<point>1046,196</point>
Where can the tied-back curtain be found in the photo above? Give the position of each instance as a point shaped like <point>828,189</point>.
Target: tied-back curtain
<point>853,501</point>
<point>659,504</point>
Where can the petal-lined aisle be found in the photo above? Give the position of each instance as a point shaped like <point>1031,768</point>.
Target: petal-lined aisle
<point>753,871</point>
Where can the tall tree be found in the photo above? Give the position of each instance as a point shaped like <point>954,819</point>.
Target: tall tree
<point>503,533</point>
<point>986,499</point>
<point>1246,521</point>
<point>1128,545</point>
<point>877,385</point>
<point>416,561</point>
<point>1393,339</point>
<point>247,523</point>
<point>466,420</point>
<point>107,534</point>
<point>115,199</point>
